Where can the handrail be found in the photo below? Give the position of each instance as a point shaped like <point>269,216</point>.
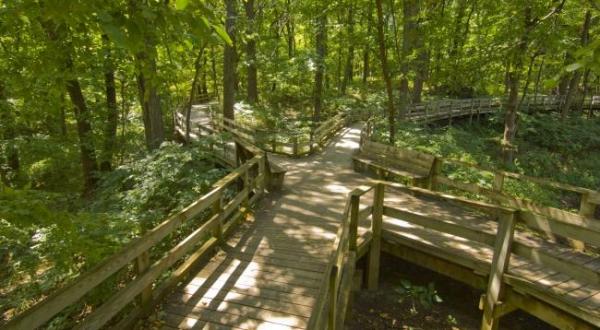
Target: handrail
<point>590,199</point>
<point>223,219</point>
<point>502,240</point>
<point>339,271</point>
<point>287,142</point>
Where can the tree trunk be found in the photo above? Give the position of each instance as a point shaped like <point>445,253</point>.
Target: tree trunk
<point>125,106</point>
<point>9,134</point>
<point>154,129</point>
<point>510,120</point>
<point>213,66</point>
<point>506,76</point>
<point>392,7</point>
<point>563,84</point>
<point>193,90</point>
<point>586,82</point>
<point>367,49</point>
<point>85,133</point>
<point>252,85</point>
<point>112,113</point>
<point>536,90</point>
<point>86,137</point>
<point>410,10</point>
<point>63,116</point>
<point>527,80</point>
<point>457,34</point>
<point>289,25</point>
<point>229,62</point>
<point>421,63</point>
<point>321,49</point>
<point>386,73</point>
<point>574,83</point>
<point>203,87</point>
<point>349,70</point>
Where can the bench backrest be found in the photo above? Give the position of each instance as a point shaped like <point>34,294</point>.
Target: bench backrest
<point>410,158</point>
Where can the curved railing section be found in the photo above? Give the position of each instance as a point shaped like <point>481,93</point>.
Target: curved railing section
<point>218,212</point>
<point>295,143</point>
<point>332,302</point>
<point>475,107</point>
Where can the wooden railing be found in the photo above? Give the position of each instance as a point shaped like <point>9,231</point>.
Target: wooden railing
<point>449,108</point>
<point>293,143</point>
<point>491,275</point>
<point>332,302</point>
<point>439,177</point>
<point>589,200</point>
<point>286,142</point>
<point>222,208</point>
<point>504,242</point>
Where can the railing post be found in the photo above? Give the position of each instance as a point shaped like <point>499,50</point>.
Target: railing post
<point>333,291</point>
<point>246,179</point>
<point>295,146</point>
<point>217,209</point>
<point>498,183</point>
<point>436,170</point>
<point>262,170</point>
<point>375,249</point>
<point>500,262</point>
<point>586,209</point>
<point>354,206</point>
<point>142,263</point>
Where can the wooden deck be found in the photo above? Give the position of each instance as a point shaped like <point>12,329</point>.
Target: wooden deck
<point>290,265</point>
<point>269,273</point>
<point>572,283</point>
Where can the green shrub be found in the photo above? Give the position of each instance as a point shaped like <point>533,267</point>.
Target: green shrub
<point>47,239</point>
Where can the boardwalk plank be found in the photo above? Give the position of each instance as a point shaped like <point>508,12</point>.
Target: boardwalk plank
<point>270,272</point>
<point>230,313</point>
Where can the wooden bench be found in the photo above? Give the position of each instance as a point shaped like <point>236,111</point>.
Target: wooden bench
<point>387,160</point>
<point>276,174</point>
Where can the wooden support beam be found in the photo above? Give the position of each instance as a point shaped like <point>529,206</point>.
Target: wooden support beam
<point>500,261</point>
<point>586,207</point>
<point>550,314</point>
<point>142,263</point>
<point>587,210</point>
<point>295,146</point>
<point>354,213</point>
<point>436,170</point>
<point>375,249</point>
<point>345,292</point>
<point>217,209</point>
<point>498,183</point>
<point>332,296</point>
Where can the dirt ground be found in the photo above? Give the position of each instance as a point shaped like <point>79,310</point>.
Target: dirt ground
<point>387,308</point>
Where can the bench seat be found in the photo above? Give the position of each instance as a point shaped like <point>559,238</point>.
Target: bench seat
<point>395,169</point>
<point>393,161</point>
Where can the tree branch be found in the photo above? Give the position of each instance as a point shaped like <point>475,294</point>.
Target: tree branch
<point>554,11</point>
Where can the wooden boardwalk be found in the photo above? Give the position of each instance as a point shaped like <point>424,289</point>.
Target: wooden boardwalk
<point>290,265</point>
<point>269,274</point>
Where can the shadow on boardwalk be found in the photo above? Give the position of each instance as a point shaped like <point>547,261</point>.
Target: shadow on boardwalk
<point>269,273</point>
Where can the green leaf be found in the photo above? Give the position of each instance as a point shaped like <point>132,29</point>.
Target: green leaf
<point>573,67</point>
<point>221,32</point>
<point>181,4</point>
